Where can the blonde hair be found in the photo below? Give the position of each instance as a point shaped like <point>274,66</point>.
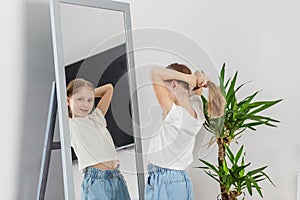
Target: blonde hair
<point>216,101</point>
<point>74,86</point>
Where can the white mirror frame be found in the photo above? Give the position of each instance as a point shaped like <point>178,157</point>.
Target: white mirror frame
<point>61,89</point>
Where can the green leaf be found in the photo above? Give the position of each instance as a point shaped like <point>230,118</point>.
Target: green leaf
<point>211,166</point>
<point>229,154</point>
<point>225,168</point>
<point>265,105</point>
<point>245,104</point>
<point>221,78</point>
<point>240,86</point>
<point>230,93</point>
<point>212,176</point>
<point>256,187</point>
<point>232,174</point>
<point>227,82</point>
<point>222,73</point>
<point>242,172</point>
<point>240,132</point>
<point>249,187</point>
<point>239,153</point>
<point>250,173</point>
<point>268,178</point>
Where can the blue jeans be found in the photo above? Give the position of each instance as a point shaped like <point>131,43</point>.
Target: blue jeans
<point>168,184</point>
<point>104,185</point>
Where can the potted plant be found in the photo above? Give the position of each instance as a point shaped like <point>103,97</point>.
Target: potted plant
<point>233,178</point>
<point>238,117</point>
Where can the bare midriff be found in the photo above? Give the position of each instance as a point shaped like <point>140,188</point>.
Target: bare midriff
<point>108,165</point>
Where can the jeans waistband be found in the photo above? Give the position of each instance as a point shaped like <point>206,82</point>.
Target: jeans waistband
<point>156,169</point>
<point>99,173</point>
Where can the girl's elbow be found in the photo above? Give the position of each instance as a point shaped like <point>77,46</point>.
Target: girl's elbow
<point>154,70</point>
<point>154,73</point>
<point>151,72</point>
<point>110,87</point>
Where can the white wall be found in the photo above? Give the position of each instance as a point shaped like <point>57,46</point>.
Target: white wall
<point>9,140</point>
<point>258,38</point>
<point>27,57</point>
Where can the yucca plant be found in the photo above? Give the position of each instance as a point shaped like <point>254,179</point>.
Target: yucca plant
<point>238,117</point>
<point>235,179</point>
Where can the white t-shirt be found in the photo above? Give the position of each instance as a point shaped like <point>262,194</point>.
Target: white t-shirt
<point>91,140</point>
<point>171,146</point>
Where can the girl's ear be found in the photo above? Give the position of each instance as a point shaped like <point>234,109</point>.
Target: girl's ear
<point>68,100</point>
<point>174,84</point>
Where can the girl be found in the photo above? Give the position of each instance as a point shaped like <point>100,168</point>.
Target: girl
<point>92,142</point>
<point>171,147</point>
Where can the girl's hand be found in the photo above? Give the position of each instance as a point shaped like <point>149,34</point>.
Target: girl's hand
<point>202,79</point>
<point>193,80</point>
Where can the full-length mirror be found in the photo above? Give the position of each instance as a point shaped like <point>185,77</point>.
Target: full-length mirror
<point>97,109</point>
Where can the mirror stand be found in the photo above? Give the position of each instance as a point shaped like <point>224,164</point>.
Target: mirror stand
<point>49,145</point>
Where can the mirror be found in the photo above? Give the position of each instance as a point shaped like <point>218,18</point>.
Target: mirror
<point>92,40</point>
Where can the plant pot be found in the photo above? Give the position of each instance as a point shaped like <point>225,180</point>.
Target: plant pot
<point>240,197</point>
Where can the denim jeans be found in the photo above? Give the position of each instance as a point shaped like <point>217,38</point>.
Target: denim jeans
<point>104,185</point>
<point>168,184</point>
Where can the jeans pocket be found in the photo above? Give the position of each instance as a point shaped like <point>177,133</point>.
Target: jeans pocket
<point>149,189</point>
<point>122,188</point>
<point>86,184</point>
<point>148,181</point>
<point>177,189</point>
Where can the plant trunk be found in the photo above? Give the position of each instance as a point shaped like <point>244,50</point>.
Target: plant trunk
<point>221,157</point>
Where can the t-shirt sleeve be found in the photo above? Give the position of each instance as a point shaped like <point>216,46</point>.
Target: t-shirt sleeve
<point>98,116</point>
<point>72,129</point>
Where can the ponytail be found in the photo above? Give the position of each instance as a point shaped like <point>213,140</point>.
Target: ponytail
<point>216,101</point>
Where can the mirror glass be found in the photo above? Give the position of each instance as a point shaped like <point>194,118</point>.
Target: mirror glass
<point>94,47</point>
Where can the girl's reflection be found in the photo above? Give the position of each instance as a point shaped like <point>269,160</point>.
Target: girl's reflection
<point>92,142</point>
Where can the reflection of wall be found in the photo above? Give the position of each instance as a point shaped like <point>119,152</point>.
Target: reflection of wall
<point>109,67</point>
<point>88,31</point>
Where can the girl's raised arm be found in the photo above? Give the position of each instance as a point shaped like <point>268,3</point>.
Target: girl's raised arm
<point>158,75</point>
<point>106,93</point>
<point>202,80</point>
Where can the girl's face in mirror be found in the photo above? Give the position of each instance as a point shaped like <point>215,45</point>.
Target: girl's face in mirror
<point>81,102</point>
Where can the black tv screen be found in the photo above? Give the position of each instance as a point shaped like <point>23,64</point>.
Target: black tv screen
<point>109,66</point>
